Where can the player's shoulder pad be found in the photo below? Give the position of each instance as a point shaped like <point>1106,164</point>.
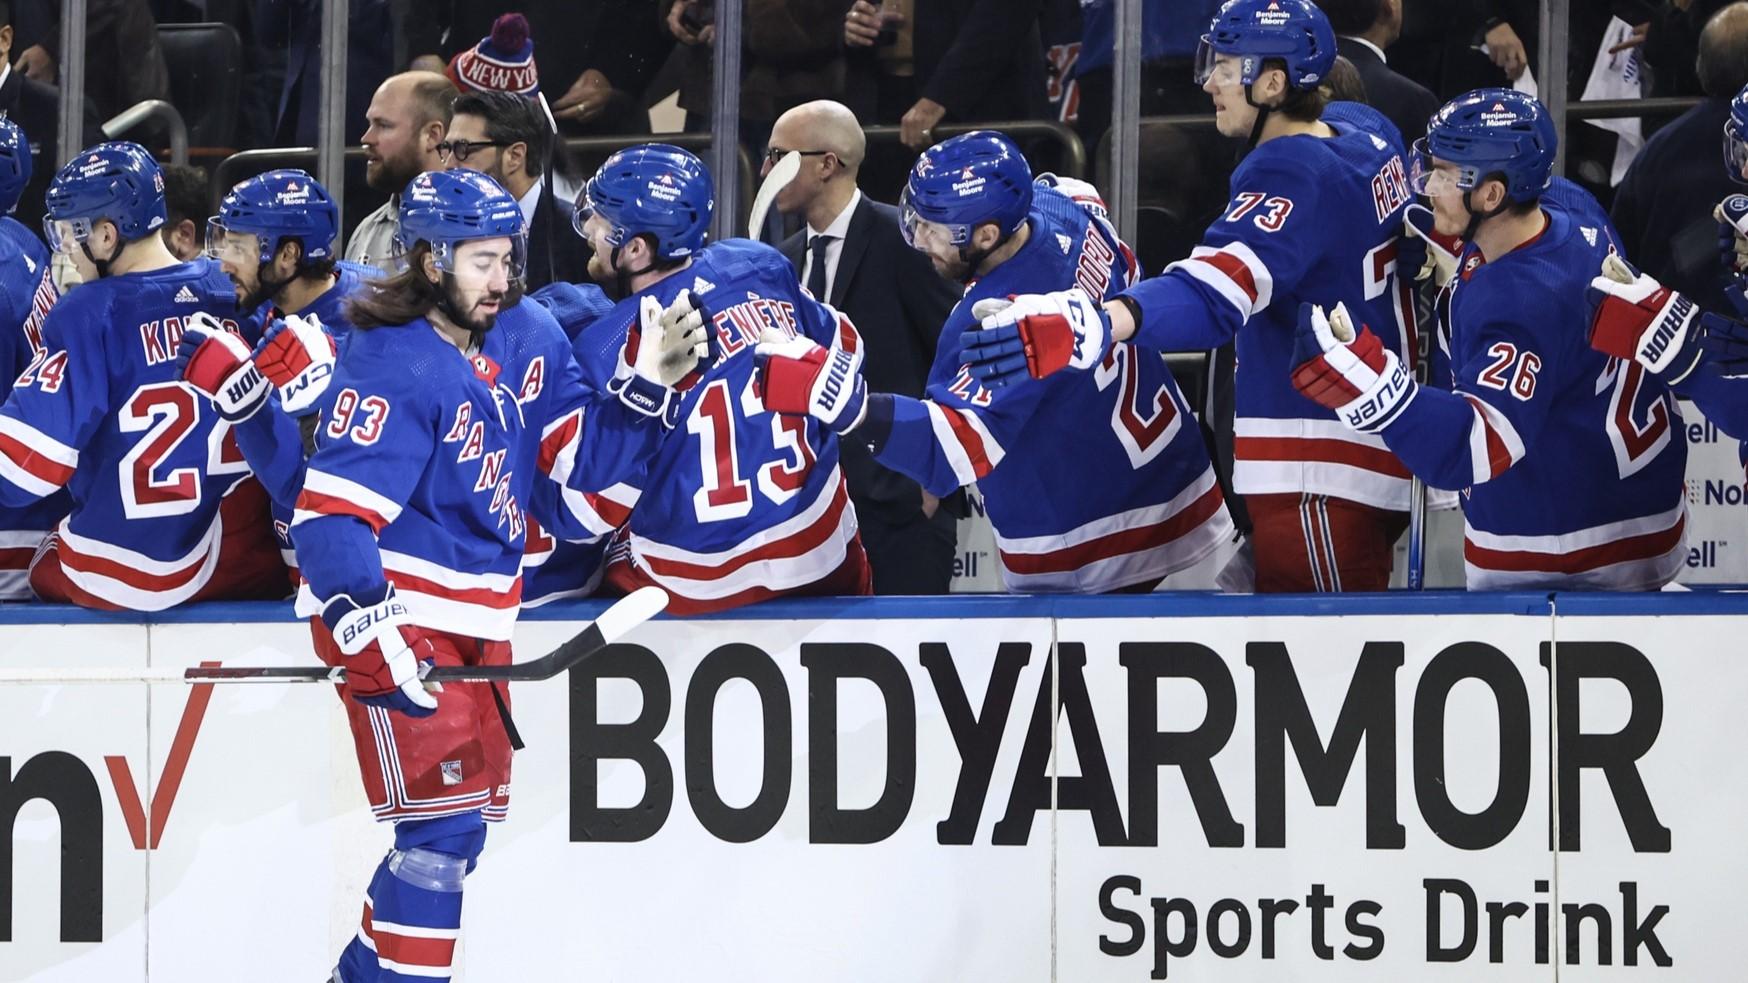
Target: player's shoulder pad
<point>532,319</point>
<point>350,275</point>
<point>574,306</point>
<point>1279,170</point>
<point>1357,116</point>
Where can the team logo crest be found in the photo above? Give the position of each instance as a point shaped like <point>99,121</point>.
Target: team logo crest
<point>451,772</point>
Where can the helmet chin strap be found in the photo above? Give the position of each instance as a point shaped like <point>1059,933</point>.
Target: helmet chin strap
<point>622,278</point>
<point>265,288</point>
<point>1262,117</point>
<point>973,258</point>
<point>1476,218</point>
<point>101,264</point>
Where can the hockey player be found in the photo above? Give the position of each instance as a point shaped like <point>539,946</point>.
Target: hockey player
<point>1134,500</point>
<point>1315,213</point>
<point>275,236</point>
<point>1573,461</point>
<point>27,291</point>
<point>163,510</point>
<point>1703,355</point>
<point>451,402</point>
<point>739,505</point>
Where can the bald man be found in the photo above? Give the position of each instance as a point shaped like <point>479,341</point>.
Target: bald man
<point>1663,207</point>
<point>407,119</point>
<point>850,254</point>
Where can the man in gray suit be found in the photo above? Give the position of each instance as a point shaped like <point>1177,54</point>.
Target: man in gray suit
<point>851,255</point>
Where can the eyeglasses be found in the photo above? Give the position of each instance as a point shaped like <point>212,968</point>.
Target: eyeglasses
<point>463,149</point>
<point>775,154</point>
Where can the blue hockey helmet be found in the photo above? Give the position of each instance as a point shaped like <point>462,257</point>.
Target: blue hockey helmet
<point>1488,132</point>
<point>653,189</point>
<point>448,208</point>
<point>1294,32</point>
<point>1736,138</point>
<point>273,207</point>
<point>965,181</point>
<point>15,164</point>
<point>117,181</point>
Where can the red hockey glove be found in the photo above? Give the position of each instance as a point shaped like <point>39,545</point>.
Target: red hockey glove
<point>1362,381</point>
<point>801,377</point>
<point>297,355</point>
<point>383,650</point>
<point>216,363</point>
<point>1044,332</point>
<point>1635,317</point>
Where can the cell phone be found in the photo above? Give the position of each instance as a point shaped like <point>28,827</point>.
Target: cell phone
<point>697,16</point>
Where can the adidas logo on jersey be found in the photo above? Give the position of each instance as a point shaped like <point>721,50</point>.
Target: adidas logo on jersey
<point>1589,234</point>
<point>1380,144</point>
<point>701,285</point>
<point>1065,242</point>
<point>186,296</point>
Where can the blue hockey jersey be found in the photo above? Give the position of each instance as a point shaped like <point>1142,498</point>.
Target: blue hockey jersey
<point>27,291</point>
<point>1573,462</point>
<point>270,440</point>
<point>740,503</point>
<point>555,568</point>
<point>1310,220</point>
<point>1094,481</point>
<point>102,412</point>
<point>427,458</point>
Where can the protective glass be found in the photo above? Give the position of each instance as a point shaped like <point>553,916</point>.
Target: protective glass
<point>1735,151</point>
<point>65,233</point>
<point>1427,180</point>
<point>920,233</point>
<point>1223,69</point>
<point>236,248</point>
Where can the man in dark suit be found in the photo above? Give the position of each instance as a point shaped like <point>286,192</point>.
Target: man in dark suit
<point>36,108</point>
<point>507,137</point>
<point>1663,207</point>
<point>1364,28</point>
<point>850,254</point>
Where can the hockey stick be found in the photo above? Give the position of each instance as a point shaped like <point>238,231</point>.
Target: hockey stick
<point>625,614</point>
<point>781,174</point>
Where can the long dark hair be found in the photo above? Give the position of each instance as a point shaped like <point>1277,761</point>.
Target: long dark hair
<point>398,299</point>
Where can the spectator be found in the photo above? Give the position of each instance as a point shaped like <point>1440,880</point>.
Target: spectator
<point>1364,29</point>
<point>186,205</point>
<point>852,256</point>
<point>1663,209</point>
<point>36,108</point>
<point>792,54</point>
<point>1671,38</point>
<point>1170,31</point>
<point>296,26</point>
<point>880,60</point>
<point>508,138</point>
<point>123,63</point>
<point>594,81</point>
<point>407,119</point>
<point>976,60</point>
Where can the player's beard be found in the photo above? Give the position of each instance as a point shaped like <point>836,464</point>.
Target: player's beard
<point>476,320</point>
<point>250,299</point>
<point>956,269</point>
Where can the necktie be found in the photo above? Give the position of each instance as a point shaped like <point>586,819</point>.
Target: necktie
<point>816,274</point>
